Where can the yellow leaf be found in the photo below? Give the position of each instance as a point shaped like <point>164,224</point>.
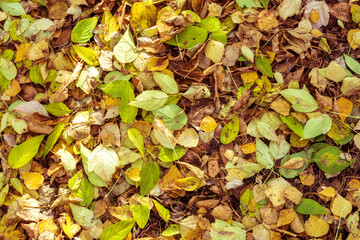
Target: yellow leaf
<point>33,180</point>
<point>316,227</point>
<point>21,52</point>
<point>48,225</point>
<point>208,124</point>
<point>353,38</point>
<point>286,217</point>
<point>339,130</point>
<point>327,194</point>
<point>249,77</point>
<point>142,16</point>
<point>307,178</point>
<point>188,138</point>
<point>340,207</point>
<point>267,20</point>
<point>294,163</point>
<point>296,142</point>
<point>14,235</point>
<point>345,106</point>
<point>67,225</point>
<point>353,185</point>
<point>170,178</point>
<point>293,194</point>
<point>214,50</point>
<point>248,148</point>
<point>158,63</point>
<point>13,89</point>
<point>134,174</point>
<point>281,106</point>
<point>111,102</point>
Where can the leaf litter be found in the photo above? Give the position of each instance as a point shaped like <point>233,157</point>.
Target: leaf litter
<point>168,119</point>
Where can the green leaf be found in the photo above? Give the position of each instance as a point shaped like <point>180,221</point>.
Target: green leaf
<point>137,139</point>
<point>87,54</point>
<point>219,36</point>
<point>317,126</point>
<point>149,176</point>
<point>263,155</point>
<point>150,100</point>
<point>248,3</point>
<point>4,83</point>
<point>248,54</point>
<point>84,216</point>
<point>88,191</point>
<point>103,161</point>
<point>52,138</point>
<point>116,75</point>
<point>118,231</point>
<point>127,113</point>
<point>3,193</point>
<point>265,3</point>
<point>140,209</point>
<point>8,69</point>
<point>246,200</point>
<point>166,82</point>
<point>266,130</point>
<point>125,49</point>
<point>294,125</point>
<point>210,24</point>
<point>188,38</point>
<point>329,160</point>
<point>163,212</point>
<point>172,230</point>
<point>172,115</point>
<point>93,178</point>
<point>170,155</point>
<point>82,32</point>
<point>264,65</point>
<point>35,75</point>
<point>301,100</point>
<point>352,64</point>
<point>21,154</point>
<point>221,230</point>
<point>57,109</point>
<point>12,8</point>
<point>230,131</point>
<point>309,206</point>
<point>279,148</point>
<point>117,88</point>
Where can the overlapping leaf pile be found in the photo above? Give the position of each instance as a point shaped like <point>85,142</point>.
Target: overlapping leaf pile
<point>179,119</point>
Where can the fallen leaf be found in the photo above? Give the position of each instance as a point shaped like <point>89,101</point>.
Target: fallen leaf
<point>316,227</point>
<point>188,138</point>
<point>340,207</point>
<point>345,106</point>
<point>33,180</point>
